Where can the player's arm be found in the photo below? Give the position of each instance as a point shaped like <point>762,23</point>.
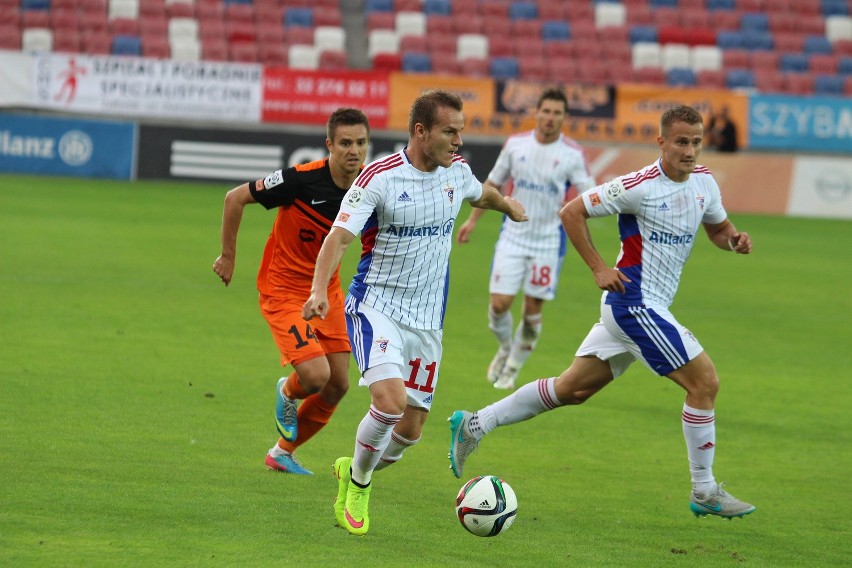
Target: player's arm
<point>725,236</point>
<point>469,225</point>
<point>235,201</point>
<point>575,219</point>
<point>328,260</point>
<point>491,198</point>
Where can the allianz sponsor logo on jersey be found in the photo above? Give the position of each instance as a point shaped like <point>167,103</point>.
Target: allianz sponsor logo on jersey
<point>537,187</point>
<point>663,238</point>
<point>426,231</point>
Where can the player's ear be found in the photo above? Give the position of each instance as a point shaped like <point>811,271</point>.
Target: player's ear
<point>328,144</point>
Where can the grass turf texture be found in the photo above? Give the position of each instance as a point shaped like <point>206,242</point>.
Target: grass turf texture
<point>137,396</point>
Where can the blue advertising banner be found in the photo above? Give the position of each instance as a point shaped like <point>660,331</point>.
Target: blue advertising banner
<point>38,144</point>
<point>813,124</point>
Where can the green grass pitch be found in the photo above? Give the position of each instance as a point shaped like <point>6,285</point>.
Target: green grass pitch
<point>137,396</point>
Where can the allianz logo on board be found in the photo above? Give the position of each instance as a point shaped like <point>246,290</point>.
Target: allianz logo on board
<point>75,147</point>
<point>219,160</point>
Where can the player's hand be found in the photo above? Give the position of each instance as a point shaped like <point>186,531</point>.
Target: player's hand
<point>465,231</point>
<point>224,267</point>
<point>516,211</point>
<point>611,280</point>
<point>316,305</point>
<point>740,243</point>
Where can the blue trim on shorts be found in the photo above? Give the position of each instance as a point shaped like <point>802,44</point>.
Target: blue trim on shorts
<point>360,332</point>
<point>658,340</point>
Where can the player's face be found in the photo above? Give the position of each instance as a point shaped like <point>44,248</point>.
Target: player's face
<point>442,141</point>
<point>680,147</point>
<point>549,118</point>
<point>349,148</point>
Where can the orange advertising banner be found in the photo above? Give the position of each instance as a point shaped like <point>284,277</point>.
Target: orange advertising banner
<point>476,94</point>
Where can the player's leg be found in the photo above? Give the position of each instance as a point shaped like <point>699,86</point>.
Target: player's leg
<point>507,274</point>
<point>405,435</point>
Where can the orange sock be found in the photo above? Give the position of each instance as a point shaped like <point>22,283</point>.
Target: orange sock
<point>292,388</point>
<point>313,414</point>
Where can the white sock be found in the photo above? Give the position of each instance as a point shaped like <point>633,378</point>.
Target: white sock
<point>528,401</point>
<point>277,451</point>
<point>393,453</point>
<point>699,430</point>
<point>371,440</point>
<point>524,341</point>
<point>501,325</point>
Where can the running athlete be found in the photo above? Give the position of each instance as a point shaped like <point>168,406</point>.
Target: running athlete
<point>660,209</point>
<point>405,206</point>
<point>542,164</point>
<point>307,197</point>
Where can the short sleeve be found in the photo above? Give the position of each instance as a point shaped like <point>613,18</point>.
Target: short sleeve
<point>612,198</point>
<point>277,189</point>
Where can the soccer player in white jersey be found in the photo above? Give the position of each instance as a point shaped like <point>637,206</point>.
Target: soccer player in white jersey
<point>542,164</point>
<point>660,209</point>
<point>404,206</point>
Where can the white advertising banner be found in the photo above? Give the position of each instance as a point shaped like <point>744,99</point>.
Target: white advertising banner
<point>149,88</point>
<point>821,187</point>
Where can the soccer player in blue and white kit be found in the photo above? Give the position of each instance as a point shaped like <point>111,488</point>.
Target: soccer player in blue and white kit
<point>660,209</point>
<point>542,164</point>
<point>404,206</point>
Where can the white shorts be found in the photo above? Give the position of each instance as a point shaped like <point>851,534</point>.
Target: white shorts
<point>650,334</point>
<point>394,350</point>
<point>536,275</point>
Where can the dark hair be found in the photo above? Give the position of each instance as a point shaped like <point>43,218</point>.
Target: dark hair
<point>345,117</point>
<point>425,108</point>
<point>679,113</point>
<point>552,94</point>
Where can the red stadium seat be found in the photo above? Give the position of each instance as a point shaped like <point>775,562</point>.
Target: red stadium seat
<point>243,52</point>
<point>724,20</point>
<point>413,43</point>
<point>847,86</point>
<point>94,6</point>
<point>62,19</point>
<point>328,17</point>
<point>239,13</point>
<point>529,48</point>
<point>151,8</point>
<point>767,60</point>
<point>650,75</point>
<point>270,32</point>
<point>562,70</point>
<point>333,60</point>
<point>156,46</point>
<point>387,62</point>
<point>475,67</point>
<point>736,59</point>
<point>211,29</point>
<point>469,8</point>
<point>94,21</point>
<point>533,68</point>
<point>240,31</point>
<point>180,10</point>
<point>549,10</point>
<point>672,34</point>
<point>591,74</point>
<point>580,12</point>
<point>696,19</point>
<point>823,64</point>
<point>10,37</point>
<point>439,24</point>
<point>490,26</point>
<point>780,22</point>
<point>501,46</point>
<point>214,49</point>
<point>768,81</point>
<point>445,65</point>
<point>494,9</point>
<point>583,31</point>
<point>272,54</point>
<point>810,24</point>
<point>380,21</point>
<point>613,52</point>
<point>97,42</point>
<point>790,42</point>
<point>297,35</point>
<point>639,15</point>
<point>799,83</point>
<point>35,19</point>
<point>525,29</point>
<point>614,34</point>
<point>66,40</point>
<point>843,47</point>
<point>124,26</point>
<point>663,17</point>
<point>555,50</point>
<point>153,26</point>
<point>710,79</point>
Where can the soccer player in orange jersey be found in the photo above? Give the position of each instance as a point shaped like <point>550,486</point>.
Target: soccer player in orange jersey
<point>307,197</point>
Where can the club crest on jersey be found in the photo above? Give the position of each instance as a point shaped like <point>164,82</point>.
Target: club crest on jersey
<point>700,199</point>
<point>614,188</point>
<point>450,192</point>
<point>383,344</point>
<point>343,217</point>
<point>354,196</point>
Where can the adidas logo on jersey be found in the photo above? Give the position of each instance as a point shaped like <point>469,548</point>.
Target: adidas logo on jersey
<point>405,198</point>
<point>663,207</point>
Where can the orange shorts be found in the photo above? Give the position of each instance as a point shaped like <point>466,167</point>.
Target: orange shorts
<point>300,340</point>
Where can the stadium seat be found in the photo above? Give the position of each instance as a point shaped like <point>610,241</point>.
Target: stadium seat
<point>674,34</point>
<point>124,26</point>
<point>756,21</point>
<point>244,52</point>
<point>783,22</point>
<point>268,32</point>
<point>123,9</point>
<point>303,17</point>
<point>706,57</point>
<point>35,5</point>
<point>793,62</point>
<point>829,85</point>
<point>439,24</point>
<point>471,46</point>
<point>799,83</point>
<point>591,74</point>
<point>329,38</point>
<point>551,11</point>
<point>758,40</point>
<point>820,63</point>
<point>410,23</point>
<point>445,65</point>
<point>270,54</point>
<point>769,81</point>
<point>714,5</point>
<point>378,6</point>
<point>66,40</point>
<point>180,28</point>
<point>610,14</point>
<point>696,19</point>
<point>382,41</point>
<point>523,11</point>
<point>657,4</point>
<point>494,9</point>
<point>615,52</point>
<point>817,44</point>
<point>643,34</point>
<point>387,62</point>
<point>736,59</point>
<point>533,68</point>
<point>156,47</point>
<point>414,62</point>
<point>554,50</point>
<point>650,75</point>
<point>770,60</point>
<point>583,30</point>
<point>614,34</point>
<point>789,42</point>
<point>301,56</point>
<point>724,20</point>
<point>153,26</point>
<point>665,17</point>
<point>240,32</point>
<point>527,48</point>
<point>34,19</point>
<point>680,77</point>
<point>476,67</point>
<point>36,40</point>
<point>618,73</point>
<point>835,8</point>
<point>847,86</point>
<point>646,54</point>
<point>185,49</point>
<point>10,37</point>
<point>555,31</point>
<point>176,9</point>
<point>709,79</point>
<point>504,68</point>
<point>562,70</point>
<point>523,30</point>
<point>838,27</point>
<point>437,7</point>
<point>214,50</point>
<point>811,25</point>
<point>328,17</point>
<point>407,6</point>
<point>740,79</point>
<point>844,66</point>
<point>333,60</point>
<point>674,55</point>
<point>380,21</point>
<point>639,14</point>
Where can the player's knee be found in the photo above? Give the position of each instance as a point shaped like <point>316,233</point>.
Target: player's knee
<point>335,389</point>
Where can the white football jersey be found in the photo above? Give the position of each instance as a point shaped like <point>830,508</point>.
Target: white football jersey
<point>541,175</point>
<point>406,220</point>
<point>657,221</point>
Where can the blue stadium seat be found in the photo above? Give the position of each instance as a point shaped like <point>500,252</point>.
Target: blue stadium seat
<point>828,85</point>
<point>302,17</point>
<point>755,40</point>
<point>793,62</point>
<point>758,21</point>
<point>835,8</point>
<point>662,4</point>
<point>817,44</point>
<point>523,11</point>
<point>553,30</point>
<point>35,5</point>
<point>681,77</point>
<point>643,34</point>
<point>713,5</point>
<point>237,2</point>
<point>740,79</point>
<point>416,62</point>
<point>378,6</point>
<point>844,66</point>
<point>730,39</point>
<point>126,45</point>
<point>504,68</point>
<point>437,7</point>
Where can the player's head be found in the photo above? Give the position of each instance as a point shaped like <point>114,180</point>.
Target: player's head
<point>550,112</point>
<point>681,134</point>
<point>435,126</point>
<point>348,132</point>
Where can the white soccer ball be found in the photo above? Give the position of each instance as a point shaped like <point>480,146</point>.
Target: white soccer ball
<point>486,505</point>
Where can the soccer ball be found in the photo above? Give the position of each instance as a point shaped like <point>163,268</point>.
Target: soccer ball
<point>486,505</point>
